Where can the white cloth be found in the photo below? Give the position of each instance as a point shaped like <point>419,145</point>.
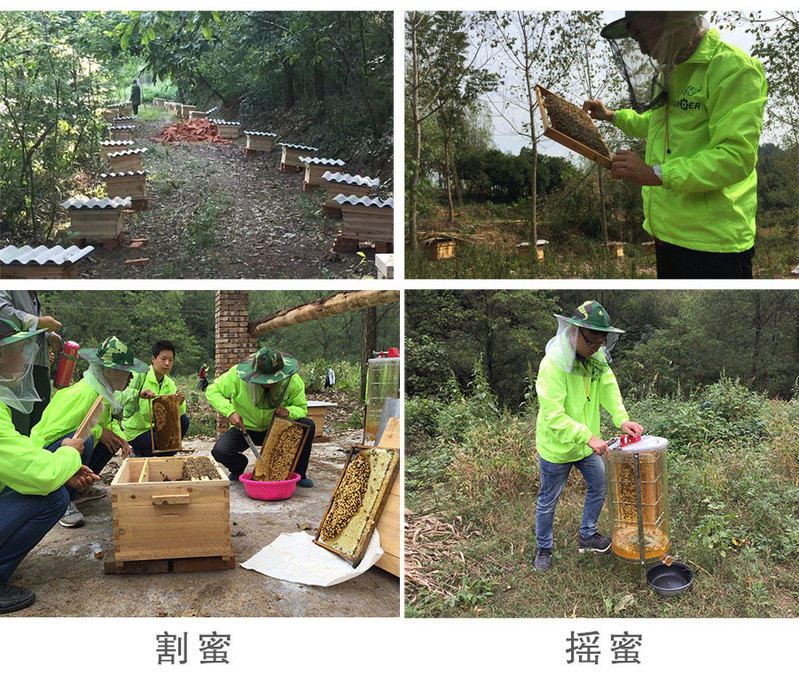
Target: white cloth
<point>294,557</point>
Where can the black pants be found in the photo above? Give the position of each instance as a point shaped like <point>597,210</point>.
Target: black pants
<point>228,449</point>
<point>680,262</point>
<point>135,108</point>
<point>143,444</point>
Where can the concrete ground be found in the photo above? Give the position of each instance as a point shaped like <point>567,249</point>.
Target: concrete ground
<point>65,569</point>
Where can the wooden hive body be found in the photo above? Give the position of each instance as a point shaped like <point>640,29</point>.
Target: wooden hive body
<point>440,249</point>
<point>134,186</point>
<point>125,163</point>
<point>368,223</point>
<point>65,270</point>
<point>187,110</point>
<point>228,131</point>
<point>156,515</point>
<point>96,223</point>
<point>260,143</point>
<point>314,172</point>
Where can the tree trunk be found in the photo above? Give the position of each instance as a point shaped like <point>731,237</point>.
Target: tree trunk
<point>289,99</point>
<point>448,176</point>
<point>603,221</point>
<point>417,134</point>
<point>368,344</point>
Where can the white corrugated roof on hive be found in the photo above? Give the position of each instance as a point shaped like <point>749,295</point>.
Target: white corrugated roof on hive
<point>366,201</point>
<point>123,127</point>
<point>118,142</point>
<point>260,134</point>
<point>322,161</point>
<point>81,202</point>
<point>126,152</point>
<point>122,175</point>
<point>225,122</point>
<point>298,146</point>
<point>348,179</point>
<point>43,255</point>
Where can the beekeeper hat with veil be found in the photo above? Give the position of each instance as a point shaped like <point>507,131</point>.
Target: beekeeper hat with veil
<point>110,365</point>
<point>648,46</point>
<point>589,317</point>
<point>18,349</point>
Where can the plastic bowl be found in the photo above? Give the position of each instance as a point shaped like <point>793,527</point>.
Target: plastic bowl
<point>670,581</point>
<point>270,491</point>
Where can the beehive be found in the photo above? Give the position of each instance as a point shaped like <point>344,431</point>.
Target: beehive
<point>316,167</point>
<point>131,184</point>
<point>127,160</point>
<point>260,141</point>
<point>365,220</point>
<point>343,183</point>
<point>227,129</point>
<point>96,219</point>
<point>442,248</point>
<point>290,156</point>
<point>185,111</point>
<point>111,146</point>
<point>281,450</point>
<point>357,502</point>
<point>157,515</point>
<point>165,423</point>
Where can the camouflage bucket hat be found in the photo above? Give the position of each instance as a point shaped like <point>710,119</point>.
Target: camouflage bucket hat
<point>115,354</point>
<point>11,331</point>
<point>267,366</point>
<point>591,315</point>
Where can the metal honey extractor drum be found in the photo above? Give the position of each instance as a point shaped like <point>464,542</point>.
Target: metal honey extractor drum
<point>645,459</point>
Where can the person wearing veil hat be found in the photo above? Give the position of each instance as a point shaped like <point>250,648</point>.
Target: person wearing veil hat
<point>574,380</point>
<point>111,365</point>
<point>699,103</point>
<point>32,480</point>
<point>249,395</point>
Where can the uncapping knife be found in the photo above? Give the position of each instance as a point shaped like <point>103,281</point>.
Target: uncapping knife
<point>252,446</point>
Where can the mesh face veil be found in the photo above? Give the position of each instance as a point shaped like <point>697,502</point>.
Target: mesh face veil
<point>562,349</point>
<point>95,375</point>
<point>655,43</point>
<point>17,389</point>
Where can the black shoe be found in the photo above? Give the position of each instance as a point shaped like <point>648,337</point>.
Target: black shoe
<point>543,560</point>
<point>305,482</point>
<point>596,543</point>
<point>13,598</point>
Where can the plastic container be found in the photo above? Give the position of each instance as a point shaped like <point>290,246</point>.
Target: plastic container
<point>623,500</point>
<point>670,580</point>
<point>382,382</point>
<point>270,491</point>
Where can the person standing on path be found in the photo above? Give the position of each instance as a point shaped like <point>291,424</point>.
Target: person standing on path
<point>574,379</point>
<point>699,103</point>
<point>135,96</point>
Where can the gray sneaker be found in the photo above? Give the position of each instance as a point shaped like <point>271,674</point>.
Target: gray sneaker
<point>89,494</point>
<point>73,518</point>
<point>596,543</point>
<point>543,560</point>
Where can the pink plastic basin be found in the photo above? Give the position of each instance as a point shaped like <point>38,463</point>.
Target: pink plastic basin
<point>270,491</point>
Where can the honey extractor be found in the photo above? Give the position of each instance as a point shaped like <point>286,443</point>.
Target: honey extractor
<point>638,499</point>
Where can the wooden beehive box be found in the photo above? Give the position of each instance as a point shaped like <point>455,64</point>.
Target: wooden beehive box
<point>317,410</point>
<point>281,450</point>
<point>110,114</point>
<point>569,125</point>
<point>616,249</point>
<point>158,515</point>
<point>367,219</point>
<point>165,423</point>
<point>443,248</point>
<point>260,141</point>
<point>197,115</point>
<point>316,167</point>
<point>158,102</point>
<point>290,156</point>
<point>127,160</point>
<point>96,219</point>
<point>227,129</point>
<point>358,500</point>
<point>185,111</point>
<point>335,184</point>
<point>132,184</point>
<point>125,109</point>
<point>120,132</point>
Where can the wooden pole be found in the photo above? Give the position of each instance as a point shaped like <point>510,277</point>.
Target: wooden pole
<point>327,306</point>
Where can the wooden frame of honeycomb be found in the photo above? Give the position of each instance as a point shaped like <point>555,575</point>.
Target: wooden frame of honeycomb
<point>571,126</point>
<point>165,433</point>
<point>281,450</point>
<point>357,502</point>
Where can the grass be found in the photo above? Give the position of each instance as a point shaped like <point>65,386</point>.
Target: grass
<point>734,518</point>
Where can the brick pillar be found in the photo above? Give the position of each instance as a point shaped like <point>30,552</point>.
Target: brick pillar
<point>233,340</point>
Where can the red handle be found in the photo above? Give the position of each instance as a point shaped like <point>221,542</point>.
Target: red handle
<point>626,439</point>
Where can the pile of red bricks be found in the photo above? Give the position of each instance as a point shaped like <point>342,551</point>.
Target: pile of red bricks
<point>199,130</point>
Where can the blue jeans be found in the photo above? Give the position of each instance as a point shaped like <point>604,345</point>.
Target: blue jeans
<point>143,444</point>
<point>553,480</point>
<point>24,520</point>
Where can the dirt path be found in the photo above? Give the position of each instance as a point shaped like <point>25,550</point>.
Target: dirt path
<point>65,570</point>
<point>215,213</point>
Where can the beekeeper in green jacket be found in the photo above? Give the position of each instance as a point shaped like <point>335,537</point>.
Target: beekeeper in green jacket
<point>32,479</point>
<point>110,368</point>
<point>574,380</point>
<point>249,395</point>
<point>699,104</point>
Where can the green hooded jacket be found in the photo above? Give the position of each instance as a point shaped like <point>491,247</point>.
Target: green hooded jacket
<point>26,467</point>
<point>136,416</point>
<point>568,409</point>
<point>711,124</point>
<point>66,411</point>
<point>230,394</point>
